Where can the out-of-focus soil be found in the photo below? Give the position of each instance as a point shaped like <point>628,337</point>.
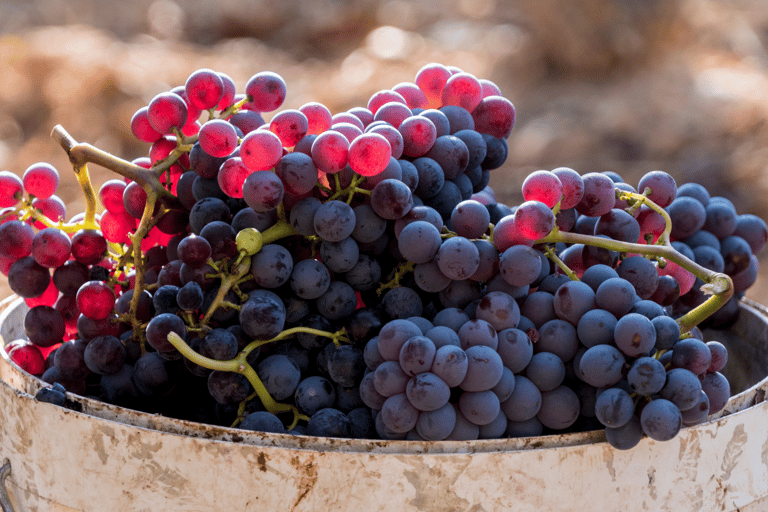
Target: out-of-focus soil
<point>623,85</point>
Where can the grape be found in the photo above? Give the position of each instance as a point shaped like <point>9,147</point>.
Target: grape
<point>263,191</point>
<point>720,219</point>
<point>392,135</point>
<point>393,113</point>
<point>346,365</point>
<point>599,197</point>
<point>262,315</point>
<point>534,220</point>
<point>494,116</point>
<point>601,366</point>
<point>390,379</point>
<point>104,355</point>
<point>691,354</point>
<point>190,297</point>
<point>457,258</point>
<point>662,185</point>
<point>402,302</point>
<point>438,424</point>
<point>625,437</point>
<point>559,408</point>
<point>614,407</point>
<point>334,221</point>
<point>27,278</point>
<point>427,392</point>
<point>519,265</point>
<point>752,229</point>
<point>338,301</point>
<point>661,420</point>
<point>717,389</point>
<point>572,300</point>
<point>419,242</point>
<point>484,369</point>
<point>398,414</point>
<point>719,356</point>
<point>417,355</point>
<point>646,376</point>
<point>44,326</point>
<point>525,401</point>
<point>165,111</point>
<point>419,135</point>
<point>11,188</point>
<point>546,371</point>
<point>559,337</point>
<point>40,180</point>
<point>596,327</point>
<point>688,216</point>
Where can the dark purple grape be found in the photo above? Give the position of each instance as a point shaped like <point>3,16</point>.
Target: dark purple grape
<point>661,420</point>
<point>104,355</point>
<point>559,408</point>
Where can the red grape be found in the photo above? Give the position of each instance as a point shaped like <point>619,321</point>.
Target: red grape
<point>261,150</point>
<point>41,180</point>
<point>204,89</point>
<point>95,299</point>
<point>266,91</point>
<point>369,154</point>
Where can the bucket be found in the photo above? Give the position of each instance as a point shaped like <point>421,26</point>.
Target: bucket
<point>107,458</point>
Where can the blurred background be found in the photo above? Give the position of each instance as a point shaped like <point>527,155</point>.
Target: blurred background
<point>623,85</point>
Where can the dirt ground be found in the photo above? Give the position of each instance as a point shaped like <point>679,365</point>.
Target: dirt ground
<point>623,85</point>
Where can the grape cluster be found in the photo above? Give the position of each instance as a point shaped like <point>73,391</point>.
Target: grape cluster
<point>353,275</point>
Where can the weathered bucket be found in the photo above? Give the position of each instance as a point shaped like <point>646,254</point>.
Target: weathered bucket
<point>107,458</point>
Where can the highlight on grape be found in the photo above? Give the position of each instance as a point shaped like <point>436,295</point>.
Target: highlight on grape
<point>353,275</point>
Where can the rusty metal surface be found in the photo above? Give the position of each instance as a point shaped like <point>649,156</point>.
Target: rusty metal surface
<point>107,458</point>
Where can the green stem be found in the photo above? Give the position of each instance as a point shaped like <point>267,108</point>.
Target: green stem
<point>551,254</point>
<point>237,365</point>
<point>226,284</point>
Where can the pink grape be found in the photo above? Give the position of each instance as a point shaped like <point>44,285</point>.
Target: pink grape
<point>346,117</point>
<point>330,152</point>
<point>319,118</point>
<point>382,97</point>
<point>290,126</point>
<point>573,186</point>
<point>51,247</point>
<point>266,91</point>
<point>41,180</point>
<point>543,186</point>
<point>232,175</point>
<point>117,227</point>
<point>495,116</point>
<point>52,207</point>
<point>369,154</point>
<point>218,138</point>
<point>393,113</point>
<point>363,114</point>
<point>349,130</point>
<point>419,134</point>
<point>228,92</point>
<point>431,79</point>
<point>141,128</point>
<point>534,220</point>
<point>463,90</point>
<point>95,299</point>
<point>11,189</point>
<point>204,89</point>
<point>393,136</point>
<point>414,97</point>
<point>261,150</point>
<point>489,88</point>
<point>167,110</point>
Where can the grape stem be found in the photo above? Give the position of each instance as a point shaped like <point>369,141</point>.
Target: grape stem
<point>239,365</point>
<point>81,153</point>
<point>718,284</point>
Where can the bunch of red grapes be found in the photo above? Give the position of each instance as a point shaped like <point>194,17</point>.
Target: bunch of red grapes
<point>368,279</point>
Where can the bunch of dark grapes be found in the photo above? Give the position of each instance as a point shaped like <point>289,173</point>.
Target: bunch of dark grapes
<point>361,268</point>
